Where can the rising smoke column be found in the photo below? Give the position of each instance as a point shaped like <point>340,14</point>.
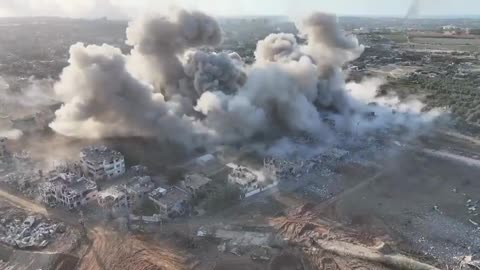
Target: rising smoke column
<point>169,89</point>
<point>102,99</point>
<point>159,42</point>
<point>214,71</point>
<point>413,10</point>
<point>289,86</point>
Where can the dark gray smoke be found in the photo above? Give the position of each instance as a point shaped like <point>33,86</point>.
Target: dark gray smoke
<point>413,10</point>
<point>159,42</point>
<point>168,89</point>
<point>214,72</point>
<point>102,99</point>
<point>328,44</point>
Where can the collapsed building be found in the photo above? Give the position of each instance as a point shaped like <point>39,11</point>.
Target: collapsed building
<point>30,232</point>
<point>245,179</point>
<point>281,169</point>
<point>196,184</point>
<point>138,188</point>
<point>284,169</point>
<point>248,181</point>
<point>115,199</point>
<point>69,190</point>
<point>102,163</point>
<point>127,196</point>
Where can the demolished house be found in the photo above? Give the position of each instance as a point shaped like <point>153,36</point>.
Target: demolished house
<point>207,164</point>
<point>138,187</point>
<point>245,179</point>
<point>69,190</point>
<point>28,232</point>
<point>196,183</point>
<point>171,202</point>
<point>115,199</point>
<point>282,169</point>
<point>102,163</point>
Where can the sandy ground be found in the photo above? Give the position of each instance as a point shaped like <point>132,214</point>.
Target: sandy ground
<point>421,197</point>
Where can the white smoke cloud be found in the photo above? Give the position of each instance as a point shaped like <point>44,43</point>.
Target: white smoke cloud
<point>102,99</point>
<point>389,110</point>
<point>168,88</point>
<point>158,41</point>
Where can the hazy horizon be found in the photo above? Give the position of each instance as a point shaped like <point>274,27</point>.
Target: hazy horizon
<point>124,9</point>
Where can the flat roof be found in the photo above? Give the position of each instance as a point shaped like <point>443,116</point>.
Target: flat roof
<point>82,184</point>
<point>196,180</point>
<point>172,196</point>
<point>100,153</point>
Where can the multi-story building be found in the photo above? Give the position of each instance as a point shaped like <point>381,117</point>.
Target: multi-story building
<point>101,162</point>
<point>170,202</point>
<point>69,190</point>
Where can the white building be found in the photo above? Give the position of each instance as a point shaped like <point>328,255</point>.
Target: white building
<point>69,190</point>
<point>101,162</point>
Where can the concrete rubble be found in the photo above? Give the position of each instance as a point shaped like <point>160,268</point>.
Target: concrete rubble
<point>30,232</point>
<point>295,168</point>
<point>469,262</point>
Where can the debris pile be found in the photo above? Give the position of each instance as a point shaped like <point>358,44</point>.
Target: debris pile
<point>469,262</point>
<point>281,168</point>
<point>30,232</point>
<point>22,181</point>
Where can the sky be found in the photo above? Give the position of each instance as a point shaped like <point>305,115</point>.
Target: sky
<point>118,9</point>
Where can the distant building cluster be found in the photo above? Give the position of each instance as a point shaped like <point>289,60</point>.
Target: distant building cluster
<point>100,180</point>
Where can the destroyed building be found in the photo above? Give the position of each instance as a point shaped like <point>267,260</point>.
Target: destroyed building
<point>207,164</point>
<point>115,199</point>
<point>138,188</point>
<point>245,179</point>
<point>196,183</point>
<point>69,190</point>
<point>279,169</point>
<point>101,162</point>
<point>28,232</point>
<point>171,202</point>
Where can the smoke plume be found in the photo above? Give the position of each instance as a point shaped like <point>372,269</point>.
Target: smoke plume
<point>158,42</point>
<point>102,99</point>
<point>413,10</point>
<point>169,88</point>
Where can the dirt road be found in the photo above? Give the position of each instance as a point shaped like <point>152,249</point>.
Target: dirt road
<point>23,203</point>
